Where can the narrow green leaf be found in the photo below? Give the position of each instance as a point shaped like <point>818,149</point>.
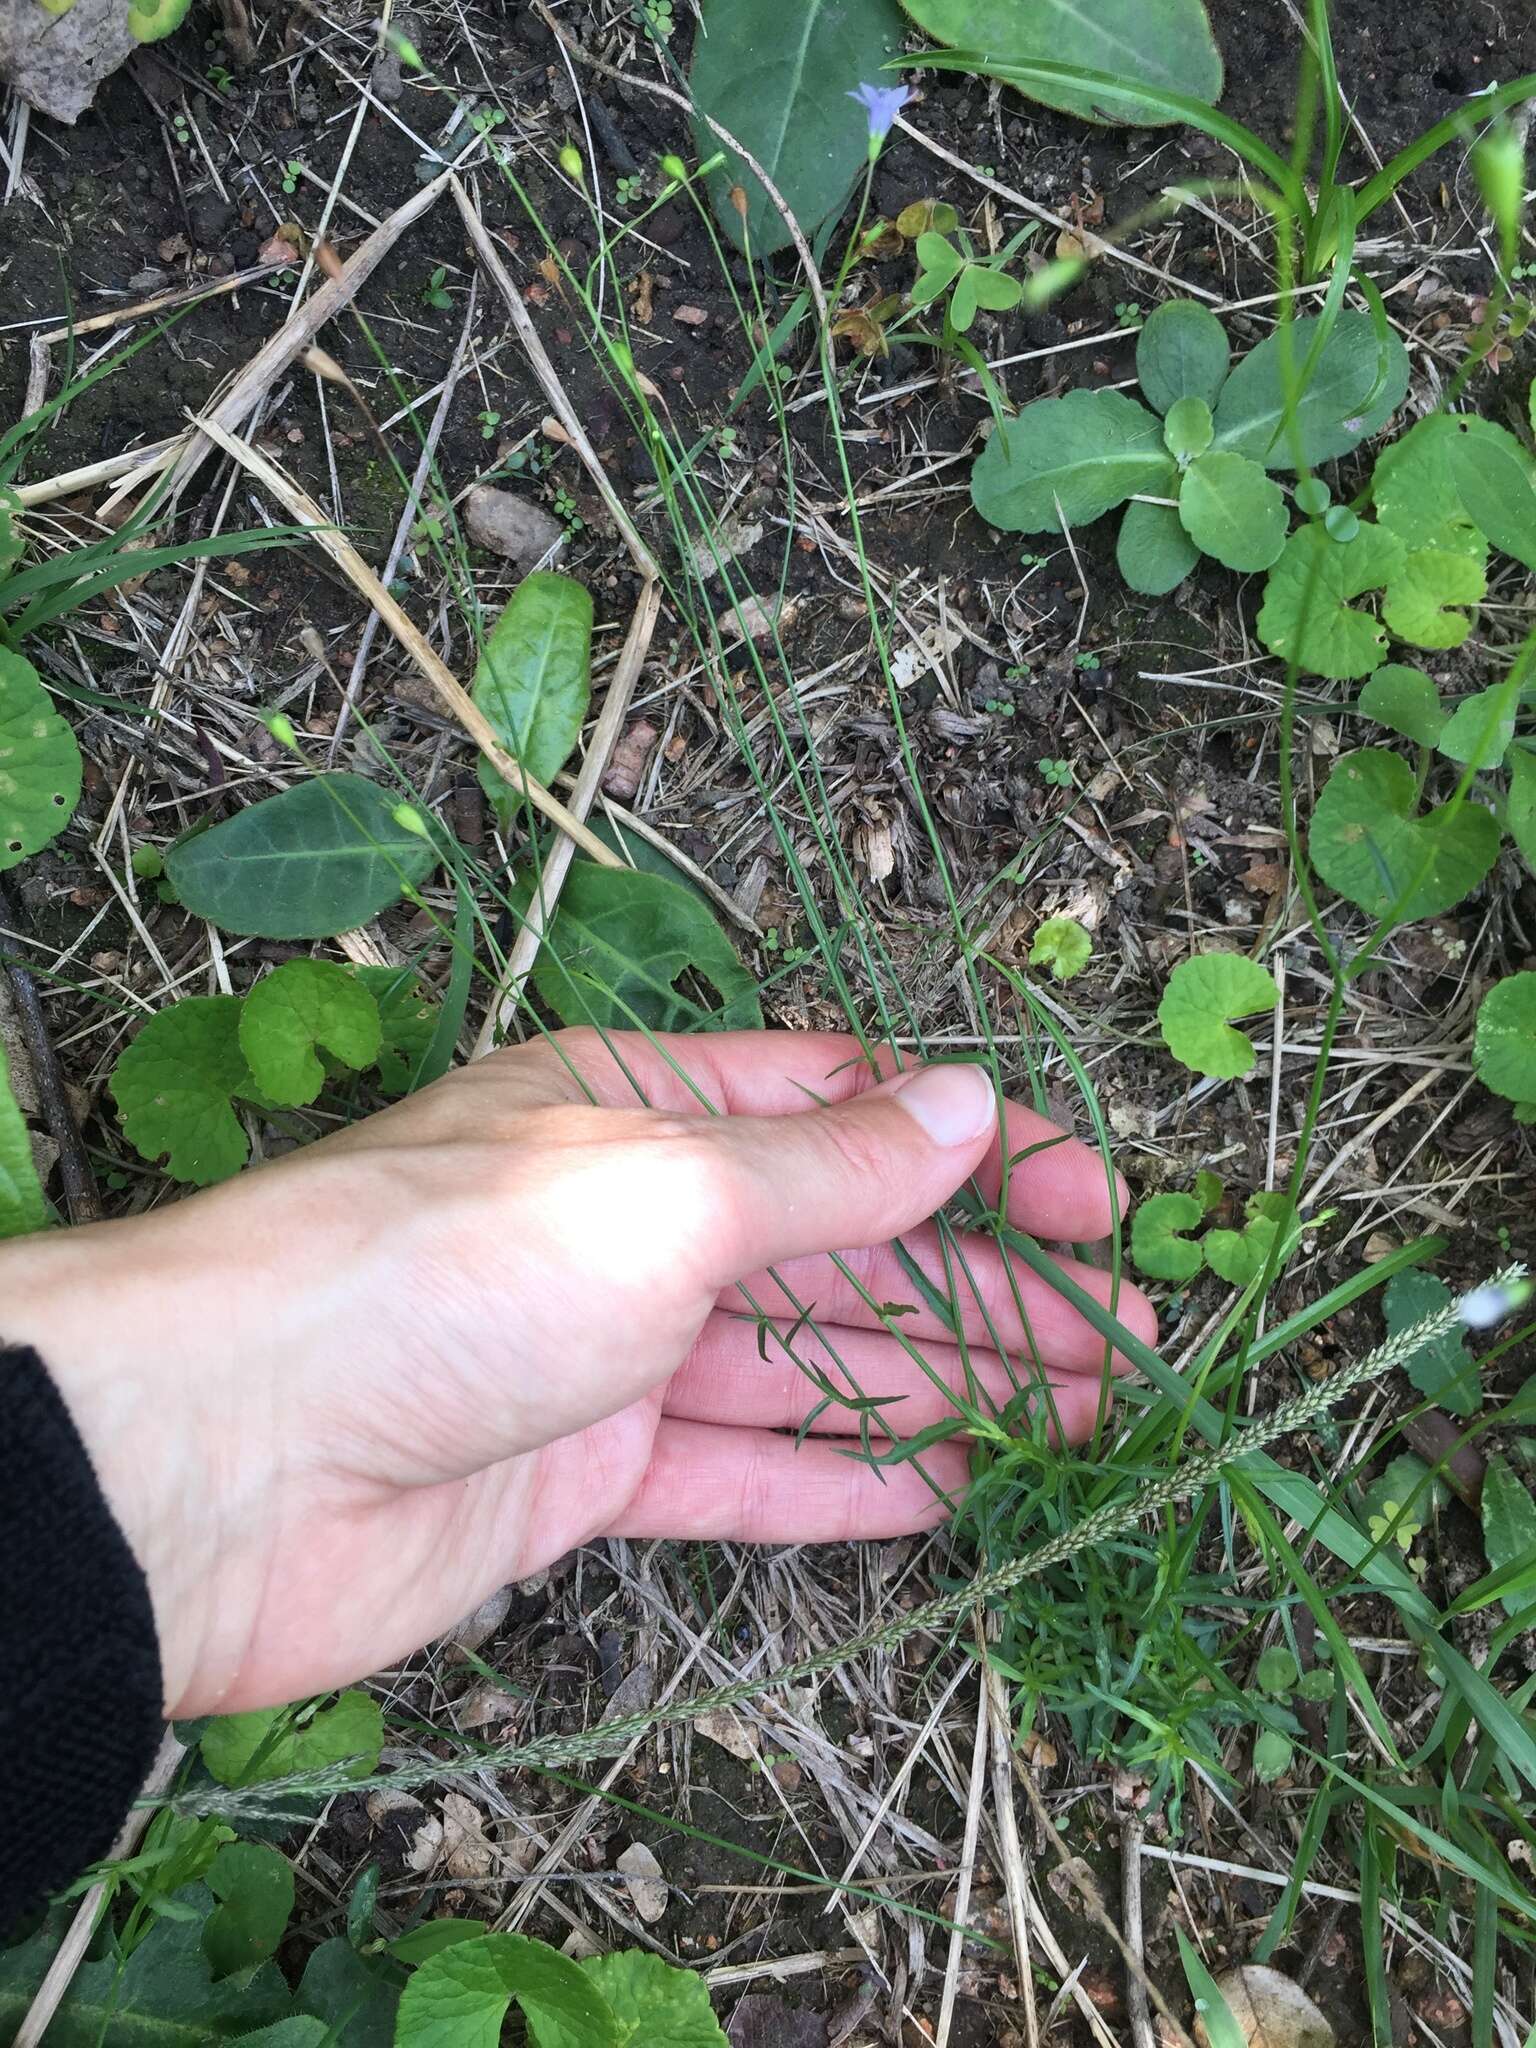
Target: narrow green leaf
<point>39,763</point>
<point>533,680</point>
<point>1520,815</point>
<point>1215,2015</point>
<point>299,1007</point>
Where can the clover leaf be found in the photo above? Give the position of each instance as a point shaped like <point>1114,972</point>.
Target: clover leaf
<point>1405,700</point>
<point>1231,510</point>
<point>298,1008</point>
<point>1396,1504</point>
<point>1156,1246</point>
<point>1063,945</point>
<point>1306,616</point>
<point>1443,1371</point>
<point>175,1085</point>
<point>39,763</point>
<point>1504,1039</point>
<point>975,285</point>
<point>1202,997</point>
<point>939,264</point>
<point>1369,842</point>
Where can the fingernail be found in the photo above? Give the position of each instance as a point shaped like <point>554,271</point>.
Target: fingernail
<point>954,1105</point>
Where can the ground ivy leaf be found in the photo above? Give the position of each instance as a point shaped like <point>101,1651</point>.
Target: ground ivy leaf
<point>1521,810</point>
<point>351,1994</point>
<point>1272,1753</point>
<point>1090,451</point>
<point>1156,1245</point>
<point>533,679</point>
<point>1428,581</point>
<point>1239,1256</point>
<point>1202,997</point>
<point>1369,842</point>
<point>1153,553</point>
<point>1497,485</point>
<point>1413,486</point>
<point>39,763</point>
<point>1336,411</point>
<point>1504,1040</point>
<point>459,1998</point>
<point>1232,511</point>
<point>1406,701</point>
<point>1443,1372</point>
<point>315,860</point>
<point>616,946</point>
<point>1509,1527</point>
<point>1306,615</point>
<point>254,1887</point>
<point>407,1023</point>
<point>275,1742</point>
<point>300,1006</point>
<point>1479,730</point>
<point>656,2005</point>
<point>175,1084</point>
<point>1181,352</point>
<point>1063,945</point>
<point>23,1205</point>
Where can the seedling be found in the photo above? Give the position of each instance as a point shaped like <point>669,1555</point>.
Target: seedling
<point>1129,313</point>
<point>1060,774</point>
<point>630,191</point>
<point>1063,945</point>
<point>434,292</point>
<point>489,420</point>
<point>656,18</point>
<point>293,173</point>
<point>564,509</point>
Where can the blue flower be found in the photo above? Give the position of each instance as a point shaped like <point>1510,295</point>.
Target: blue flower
<point>882,103</point>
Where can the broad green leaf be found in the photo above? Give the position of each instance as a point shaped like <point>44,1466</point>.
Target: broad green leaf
<point>355,1995</point>
<point>1369,841</point>
<point>1087,452</point>
<point>1063,945</point>
<point>1346,400</point>
<point>298,2032</point>
<point>417,1944</point>
<point>533,679</point>
<point>1496,484</point>
<point>1156,1245</point>
<point>12,545</point>
<point>617,946</point>
<point>39,763</point>
<point>1419,601</point>
<point>1232,511</point>
<point>1479,730</point>
<point>459,1997</point>
<point>778,80</point>
<point>1306,616</point>
<point>1239,1256</point>
<point>1154,554</point>
<point>1405,700</point>
<point>318,859</point>
<point>302,1005</point>
<point>655,2004</point>
<point>1164,43</point>
<point>1187,429</point>
<point>1276,1670</point>
<point>1442,1371</point>
<point>1504,1039</point>
<point>163,1996</point>
<point>1509,1526</point>
<point>23,1205</point>
<point>254,1887</point>
<point>980,286</point>
<point>276,1742</point>
<point>1209,1189</point>
<point>1181,352</point>
<point>1202,997</point>
<point>175,1084</point>
<point>1413,485</point>
<point>1272,1755</point>
<point>1520,815</point>
<point>407,1024</point>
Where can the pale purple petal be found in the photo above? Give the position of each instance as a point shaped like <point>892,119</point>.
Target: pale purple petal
<point>882,103</point>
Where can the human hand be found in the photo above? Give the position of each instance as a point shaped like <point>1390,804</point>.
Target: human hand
<point>336,1402</point>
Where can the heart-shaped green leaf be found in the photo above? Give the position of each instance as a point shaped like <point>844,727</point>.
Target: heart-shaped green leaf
<point>1182,352</point>
<point>533,679</point>
<point>1417,601</point>
<point>1156,1244</point>
<point>1202,997</point>
<point>1413,485</point>
<point>939,264</point>
<point>1164,43</point>
<point>1357,384</point>
<point>1504,1040</point>
<point>995,289</point>
<point>299,1007</point>
<point>23,1206</point>
<point>1231,510</point>
<point>175,1084</point>
<point>39,763</point>
<point>1406,701</point>
<point>1306,616</point>
<point>321,858</point>
<point>459,1997</point>
<point>1497,485</point>
<point>1187,429</point>
<point>1087,453</point>
<point>1153,553</point>
<point>254,1887</point>
<point>1239,1256</point>
<point>777,79</point>
<point>1479,730</point>
<point>1369,842</point>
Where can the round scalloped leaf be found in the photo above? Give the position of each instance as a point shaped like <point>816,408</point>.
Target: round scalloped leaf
<point>1238,1256</point>
<point>1404,700</point>
<point>1357,384</point>
<point>1417,602</point>
<point>1273,1752</point>
<point>1369,842</point>
<point>1202,997</point>
<point>291,1013</point>
<point>1306,616</point>
<point>654,2001</point>
<point>1153,553</point>
<point>1232,511</point>
<point>1504,1042</point>
<point>1478,732</point>
<point>1181,352</point>
<point>150,20</point>
<point>1187,429</point>
<point>174,1086</point>
<point>39,763</point>
<point>1156,1246</point>
<point>1087,453</point>
<point>1063,945</point>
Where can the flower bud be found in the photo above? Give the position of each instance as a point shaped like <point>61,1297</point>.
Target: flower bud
<point>410,820</point>
<point>280,725</point>
<point>571,163</point>
<point>674,168</point>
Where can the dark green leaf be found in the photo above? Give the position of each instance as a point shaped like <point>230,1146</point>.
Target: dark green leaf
<point>1182,352</point>
<point>355,1995</point>
<point>362,1905</point>
<point>39,763</point>
<point>1154,553</point>
<point>1232,511</point>
<point>320,858</point>
<point>408,1025</point>
<point>1369,841</point>
<point>1443,1371</point>
<point>254,1887</point>
<point>1336,411</point>
<point>419,1944</point>
<point>23,1205</point>
<point>1521,813</point>
<point>1085,453</point>
<point>1497,485</point>
<point>533,681</point>
<point>1509,1527</point>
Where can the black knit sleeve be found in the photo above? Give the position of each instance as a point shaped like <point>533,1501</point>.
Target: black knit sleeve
<point>80,1699</point>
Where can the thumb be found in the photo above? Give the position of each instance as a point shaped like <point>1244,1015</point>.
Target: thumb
<point>852,1174</point>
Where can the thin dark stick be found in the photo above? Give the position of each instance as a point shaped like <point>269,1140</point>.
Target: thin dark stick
<point>81,1199</point>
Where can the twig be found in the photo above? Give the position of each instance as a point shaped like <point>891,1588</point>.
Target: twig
<point>80,1196</point>
<point>967,1872</point>
<point>1135,1940</point>
<point>1015,1876</point>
